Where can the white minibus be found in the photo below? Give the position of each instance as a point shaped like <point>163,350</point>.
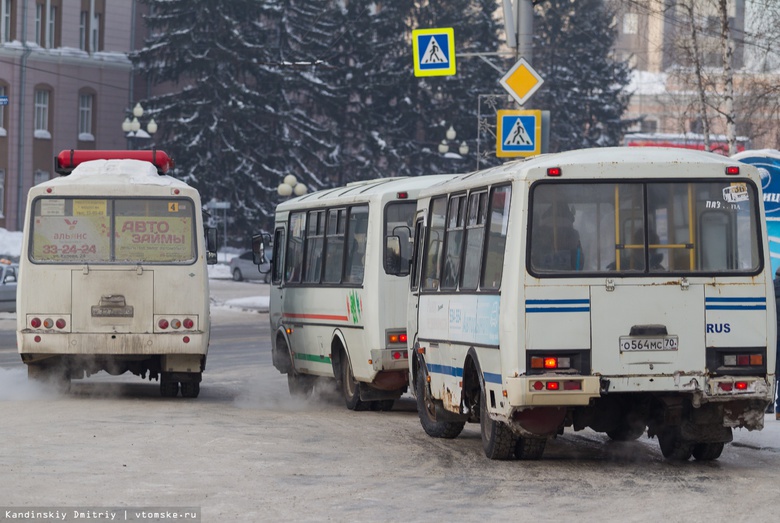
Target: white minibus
<point>621,289</point>
<point>113,272</point>
<point>339,285</point>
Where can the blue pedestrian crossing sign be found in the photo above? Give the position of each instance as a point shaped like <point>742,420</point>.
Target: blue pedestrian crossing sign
<point>434,52</point>
<point>519,133</point>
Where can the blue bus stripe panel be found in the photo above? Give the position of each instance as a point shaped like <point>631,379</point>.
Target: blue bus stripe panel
<point>563,305</point>
<point>735,304</point>
<point>457,372</point>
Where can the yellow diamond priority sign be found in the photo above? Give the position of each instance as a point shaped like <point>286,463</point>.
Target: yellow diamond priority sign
<point>521,81</point>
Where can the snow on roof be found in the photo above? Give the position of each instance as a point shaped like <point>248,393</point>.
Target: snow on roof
<point>109,171</point>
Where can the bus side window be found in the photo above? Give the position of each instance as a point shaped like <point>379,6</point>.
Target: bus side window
<point>419,235</point>
<point>294,258</point>
<point>277,261</point>
<point>498,220</point>
<point>433,250</point>
<point>356,247</point>
<point>454,242</point>
<point>315,239</point>
<point>475,236</point>
<point>334,245</point>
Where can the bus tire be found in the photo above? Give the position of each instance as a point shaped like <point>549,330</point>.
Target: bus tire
<point>299,385</point>
<point>673,447</point>
<point>237,274</point>
<point>350,388</point>
<point>169,388</point>
<point>626,432</point>
<point>190,389</point>
<point>707,451</point>
<point>427,411</point>
<point>530,448</point>
<point>498,440</point>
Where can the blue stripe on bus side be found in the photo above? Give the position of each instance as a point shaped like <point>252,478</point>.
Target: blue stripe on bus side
<point>735,304</point>
<point>556,305</point>
<point>458,372</point>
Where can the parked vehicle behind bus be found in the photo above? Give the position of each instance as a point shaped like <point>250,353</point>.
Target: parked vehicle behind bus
<point>113,273</point>
<point>339,282</point>
<point>621,289</point>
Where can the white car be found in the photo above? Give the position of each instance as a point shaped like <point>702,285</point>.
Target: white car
<point>8,277</point>
<point>243,268</point>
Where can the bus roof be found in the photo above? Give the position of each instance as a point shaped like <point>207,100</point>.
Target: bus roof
<point>111,172</point>
<point>364,191</point>
<point>606,162</point>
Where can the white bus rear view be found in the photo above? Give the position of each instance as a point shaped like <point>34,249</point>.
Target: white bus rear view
<point>339,286</point>
<point>621,289</point>
<point>113,273</point>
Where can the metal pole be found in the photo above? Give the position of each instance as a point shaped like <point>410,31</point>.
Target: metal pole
<point>525,29</point>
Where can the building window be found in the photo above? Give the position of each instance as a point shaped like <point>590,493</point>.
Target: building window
<point>630,23</point>
<point>95,41</point>
<point>649,126</point>
<point>40,176</point>
<point>39,24</point>
<point>42,114</point>
<point>51,25</point>
<point>5,20</point>
<point>85,117</point>
<point>2,113</point>
<point>83,30</point>
<point>2,193</point>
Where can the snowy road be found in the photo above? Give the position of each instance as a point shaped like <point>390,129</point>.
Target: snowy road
<point>246,451</point>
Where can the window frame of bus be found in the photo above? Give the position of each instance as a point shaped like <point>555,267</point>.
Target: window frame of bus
<point>394,265</point>
<point>306,213</point>
<point>648,271</point>
<point>277,260</point>
<point>111,214</point>
<point>487,239</point>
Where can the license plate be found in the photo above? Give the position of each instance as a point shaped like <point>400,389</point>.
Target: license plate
<point>112,312</point>
<point>647,343</point>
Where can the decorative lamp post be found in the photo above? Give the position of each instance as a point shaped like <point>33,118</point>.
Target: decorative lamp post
<point>450,136</point>
<point>132,128</point>
<point>290,186</point>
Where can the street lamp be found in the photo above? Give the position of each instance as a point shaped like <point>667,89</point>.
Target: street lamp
<point>290,186</point>
<point>450,136</point>
<point>132,128</point>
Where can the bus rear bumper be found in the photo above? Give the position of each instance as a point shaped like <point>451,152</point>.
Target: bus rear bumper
<point>390,359</point>
<point>114,344</point>
<point>539,390</point>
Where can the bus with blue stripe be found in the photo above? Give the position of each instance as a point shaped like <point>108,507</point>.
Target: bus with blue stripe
<point>624,290</point>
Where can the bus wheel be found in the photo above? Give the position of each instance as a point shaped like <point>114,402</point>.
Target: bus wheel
<point>299,385</point>
<point>498,441</point>
<point>707,451</point>
<point>382,405</point>
<point>530,448</point>
<point>190,389</point>
<point>427,411</point>
<point>350,389</point>
<point>672,445</point>
<point>50,376</point>
<point>626,432</point>
<point>168,388</point>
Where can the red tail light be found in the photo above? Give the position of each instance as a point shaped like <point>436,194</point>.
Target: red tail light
<point>163,324</point>
<point>35,323</point>
<point>188,323</point>
<point>60,324</point>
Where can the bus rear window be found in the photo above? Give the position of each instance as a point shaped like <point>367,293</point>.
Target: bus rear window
<point>639,228</point>
<point>398,222</point>
<point>113,230</point>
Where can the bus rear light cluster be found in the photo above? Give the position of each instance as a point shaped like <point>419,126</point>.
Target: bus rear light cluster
<point>554,385</point>
<point>175,323</point>
<point>743,360</point>
<point>730,387</point>
<point>396,337</point>
<point>400,354</point>
<point>550,362</point>
<point>48,323</point>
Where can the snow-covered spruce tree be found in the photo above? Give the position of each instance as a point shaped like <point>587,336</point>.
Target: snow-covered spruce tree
<point>584,87</point>
<point>217,125</point>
